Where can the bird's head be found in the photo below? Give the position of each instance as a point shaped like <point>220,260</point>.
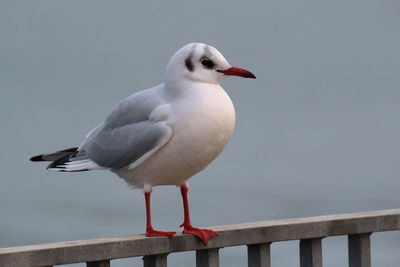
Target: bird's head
<point>202,63</point>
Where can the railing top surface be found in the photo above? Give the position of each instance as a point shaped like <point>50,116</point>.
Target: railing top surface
<point>228,235</point>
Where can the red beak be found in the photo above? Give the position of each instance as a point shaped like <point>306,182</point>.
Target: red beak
<point>233,71</point>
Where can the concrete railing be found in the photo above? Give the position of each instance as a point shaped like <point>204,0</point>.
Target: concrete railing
<point>256,236</point>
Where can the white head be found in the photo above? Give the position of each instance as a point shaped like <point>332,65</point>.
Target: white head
<point>201,63</point>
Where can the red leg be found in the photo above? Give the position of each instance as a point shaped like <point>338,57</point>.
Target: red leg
<point>150,232</point>
<point>203,234</point>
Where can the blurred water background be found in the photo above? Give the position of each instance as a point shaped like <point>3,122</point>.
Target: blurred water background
<point>317,132</point>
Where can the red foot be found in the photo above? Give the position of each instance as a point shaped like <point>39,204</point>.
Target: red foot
<point>203,234</point>
<point>153,233</point>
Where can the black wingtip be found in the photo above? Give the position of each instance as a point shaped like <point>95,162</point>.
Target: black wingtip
<point>37,158</point>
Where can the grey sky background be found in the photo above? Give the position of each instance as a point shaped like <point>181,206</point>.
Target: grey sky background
<point>317,132</point>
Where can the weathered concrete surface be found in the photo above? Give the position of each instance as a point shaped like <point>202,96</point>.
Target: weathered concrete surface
<point>228,235</point>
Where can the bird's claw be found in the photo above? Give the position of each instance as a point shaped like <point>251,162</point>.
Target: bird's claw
<point>153,233</point>
<point>203,234</point>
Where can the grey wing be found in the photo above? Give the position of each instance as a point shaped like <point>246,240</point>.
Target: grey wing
<point>119,147</point>
<point>128,135</point>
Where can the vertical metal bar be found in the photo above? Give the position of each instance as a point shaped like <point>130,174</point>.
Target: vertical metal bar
<point>207,258</point>
<point>105,263</point>
<point>311,252</point>
<point>359,250</point>
<point>159,260</point>
<point>259,255</point>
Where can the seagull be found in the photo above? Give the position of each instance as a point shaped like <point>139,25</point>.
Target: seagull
<point>163,135</point>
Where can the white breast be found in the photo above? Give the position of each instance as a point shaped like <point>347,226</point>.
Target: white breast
<point>202,121</point>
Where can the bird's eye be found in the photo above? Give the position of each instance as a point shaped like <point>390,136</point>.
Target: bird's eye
<point>209,64</point>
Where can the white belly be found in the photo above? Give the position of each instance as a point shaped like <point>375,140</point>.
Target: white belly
<point>202,123</point>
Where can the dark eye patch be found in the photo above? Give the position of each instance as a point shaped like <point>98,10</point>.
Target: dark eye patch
<point>207,63</point>
<point>188,63</point>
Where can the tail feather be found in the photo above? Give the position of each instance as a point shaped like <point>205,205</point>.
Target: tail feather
<point>68,160</point>
<point>54,156</point>
<point>61,161</point>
